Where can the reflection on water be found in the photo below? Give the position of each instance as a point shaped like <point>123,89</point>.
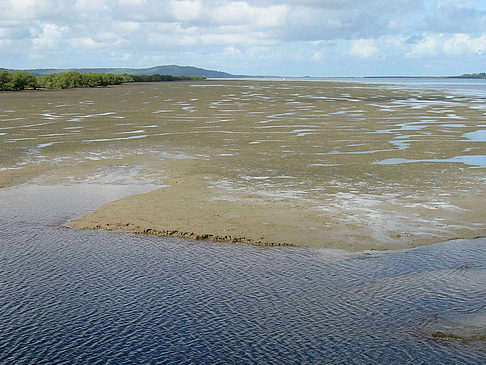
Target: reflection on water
<point>108,297</point>
<point>477,136</point>
<point>471,160</point>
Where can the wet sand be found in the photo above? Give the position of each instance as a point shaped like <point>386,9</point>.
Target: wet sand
<point>192,206</point>
<point>321,164</point>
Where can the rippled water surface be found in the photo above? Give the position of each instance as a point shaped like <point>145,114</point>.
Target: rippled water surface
<point>71,296</point>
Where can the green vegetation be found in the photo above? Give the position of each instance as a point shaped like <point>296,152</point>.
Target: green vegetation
<point>481,75</point>
<point>173,70</point>
<point>17,81</point>
<point>67,80</point>
<point>22,80</point>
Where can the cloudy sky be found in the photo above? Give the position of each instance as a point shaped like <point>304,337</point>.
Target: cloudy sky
<point>258,37</point>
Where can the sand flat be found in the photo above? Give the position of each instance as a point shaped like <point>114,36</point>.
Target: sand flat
<point>190,208</point>
<point>318,164</point>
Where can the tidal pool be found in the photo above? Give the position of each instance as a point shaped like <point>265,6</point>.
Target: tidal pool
<point>366,166</point>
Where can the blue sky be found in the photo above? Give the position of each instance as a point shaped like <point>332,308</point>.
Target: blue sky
<point>264,37</point>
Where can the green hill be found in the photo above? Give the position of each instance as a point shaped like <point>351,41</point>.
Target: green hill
<point>173,70</point>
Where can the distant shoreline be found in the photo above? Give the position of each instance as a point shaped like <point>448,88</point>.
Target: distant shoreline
<point>466,76</point>
<point>183,71</point>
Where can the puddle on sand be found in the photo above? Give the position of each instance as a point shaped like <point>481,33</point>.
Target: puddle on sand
<point>477,136</point>
<point>471,160</point>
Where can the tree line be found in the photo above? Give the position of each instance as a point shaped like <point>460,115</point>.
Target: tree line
<point>22,80</point>
<point>480,75</point>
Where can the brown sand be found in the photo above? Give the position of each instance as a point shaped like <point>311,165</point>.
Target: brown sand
<point>192,207</point>
<point>263,162</point>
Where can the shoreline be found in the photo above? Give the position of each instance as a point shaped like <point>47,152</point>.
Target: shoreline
<point>85,270</point>
<point>86,222</point>
<point>196,207</point>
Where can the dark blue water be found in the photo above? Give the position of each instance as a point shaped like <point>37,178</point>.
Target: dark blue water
<point>95,297</point>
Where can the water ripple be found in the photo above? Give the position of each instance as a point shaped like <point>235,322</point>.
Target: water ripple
<point>69,296</point>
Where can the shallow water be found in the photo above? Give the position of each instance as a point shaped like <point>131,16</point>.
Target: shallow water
<point>93,297</point>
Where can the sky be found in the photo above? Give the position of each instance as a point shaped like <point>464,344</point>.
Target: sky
<point>323,38</point>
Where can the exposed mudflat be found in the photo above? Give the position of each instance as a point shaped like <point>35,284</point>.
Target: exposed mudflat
<point>319,164</point>
<point>192,206</point>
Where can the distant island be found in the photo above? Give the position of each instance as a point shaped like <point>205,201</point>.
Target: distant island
<point>52,78</point>
<point>481,75</point>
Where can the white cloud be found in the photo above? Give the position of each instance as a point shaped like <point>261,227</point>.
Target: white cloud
<point>90,5</point>
<point>232,50</point>
<point>363,48</point>
<point>460,44</point>
<point>240,12</point>
<point>131,2</point>
<point>255,38</point>
<point>25,8</point>
<point>49,37</point>
<point>236,30</point>
<point>108,36</point>
<point>434,45</point>
<point>7,43</point>
<point>171,40</point>
<point>186,9</point>
<point>128,26</point>
<point>29,9</point>
<point>455,16</point>
<point>468,4</point>
<point>85,43</point>
<point>427,47</point>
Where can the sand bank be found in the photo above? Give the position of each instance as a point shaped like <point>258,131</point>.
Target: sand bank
<point>196,207</point>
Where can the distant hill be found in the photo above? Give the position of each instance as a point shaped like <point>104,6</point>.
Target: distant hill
<point>173,70</point>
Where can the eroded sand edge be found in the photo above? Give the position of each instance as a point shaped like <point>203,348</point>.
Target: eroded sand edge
<point>194,207</point>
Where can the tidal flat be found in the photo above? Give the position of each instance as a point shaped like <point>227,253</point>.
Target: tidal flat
<point>358,172</point>
<point>317,164</point>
